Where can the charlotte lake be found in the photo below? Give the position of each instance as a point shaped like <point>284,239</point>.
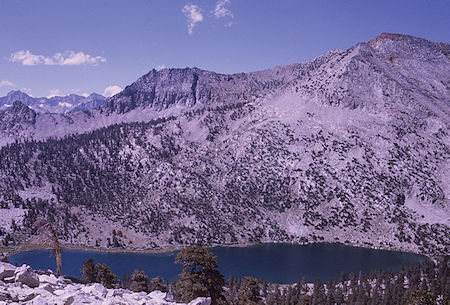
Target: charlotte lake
<point>276,263</point>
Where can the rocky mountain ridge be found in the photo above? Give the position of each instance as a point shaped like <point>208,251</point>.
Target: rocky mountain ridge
<point>350,147</point>
<point>161,94</point>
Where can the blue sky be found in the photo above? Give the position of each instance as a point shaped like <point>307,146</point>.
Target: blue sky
<point>62,47</point>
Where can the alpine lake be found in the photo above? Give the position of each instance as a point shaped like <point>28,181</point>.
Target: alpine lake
<point>275,263</point>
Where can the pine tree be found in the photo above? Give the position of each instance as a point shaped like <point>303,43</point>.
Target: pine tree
<point>47,225</point>
<point>157,283</point>
<point>199,277</point>
<point>275,297</point>
<point>88,272</point>
<point>331,293</point>
<point>421,297</point>
<point>375,297</point>
<point>139,281</point>
<point>248,293</point>
<point>319,297</point>
<point>105,276</point>
<point>399,288</point>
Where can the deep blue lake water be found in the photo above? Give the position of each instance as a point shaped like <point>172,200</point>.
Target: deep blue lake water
<point>277,263</point>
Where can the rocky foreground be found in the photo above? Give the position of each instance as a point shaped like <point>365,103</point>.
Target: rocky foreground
<point>22,285</point>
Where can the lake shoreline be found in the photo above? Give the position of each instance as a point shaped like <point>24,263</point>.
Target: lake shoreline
<point>31,246</point>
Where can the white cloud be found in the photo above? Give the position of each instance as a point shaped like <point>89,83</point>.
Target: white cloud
<point>193,14</point>
<point>111,90</point>
<point>6,83</point>
<point>68,58</point>
<point>54,92</point>
<point>221,11</point>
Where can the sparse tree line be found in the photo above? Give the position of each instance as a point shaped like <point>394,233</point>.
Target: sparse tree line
<point>427,284</point>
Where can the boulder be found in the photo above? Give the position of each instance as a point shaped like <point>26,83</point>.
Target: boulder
<point>200,301</point>
<point>25,276</point>
<point>158,295</point>
<point>69,300</point>
<point>51,279</point>
<point>116,293</point>
<point>6,270</point>
<point>95,289</point>
<point>48,287</point>
<point>39,300</point>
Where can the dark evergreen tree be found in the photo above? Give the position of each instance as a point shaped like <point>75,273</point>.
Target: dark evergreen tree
<point>421,297</point>
<point>138,281</point>
<point>319,296</point>
<point>375,298</point>
<point>274,298</point>
<point>105,276</point>
<point>331,293</point>
<point>157,283</point>
<point>399,288</point>
<point>248,292</point>
<point>199,277</point>
<point>88,271</point>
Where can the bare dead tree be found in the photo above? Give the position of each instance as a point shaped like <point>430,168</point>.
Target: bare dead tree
<point>45,229</point>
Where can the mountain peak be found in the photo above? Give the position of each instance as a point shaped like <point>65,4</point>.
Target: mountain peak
<point>388,43</point>
<point>18,105</point>
<point>17,115</point>
<point>21,110</point>
<point>392,36</point>
<point>16,93</point>
<point>94,94</point>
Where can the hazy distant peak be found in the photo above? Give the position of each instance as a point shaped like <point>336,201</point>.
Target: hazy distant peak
<point>55,104</point>
<point>17,93</point>
<point>94,94</point>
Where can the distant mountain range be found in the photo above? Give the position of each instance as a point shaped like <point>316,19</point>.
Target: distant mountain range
<point>56,104</point>
<point>352,147</point>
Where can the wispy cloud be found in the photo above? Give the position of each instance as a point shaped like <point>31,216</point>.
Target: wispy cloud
<point>221,11</point>
<point>6,83</point>
<point>193,14</point>
<point>111,90</point>
<point>68,58</point>
<point>54,92</point>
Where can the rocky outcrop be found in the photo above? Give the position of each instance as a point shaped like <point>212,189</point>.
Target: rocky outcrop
<point>25,276</point>
<point>192,88</point>
<point>7,271</point>
<point>26,286</point>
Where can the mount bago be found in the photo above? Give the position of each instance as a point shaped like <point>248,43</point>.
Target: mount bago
<point>350,147</point>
